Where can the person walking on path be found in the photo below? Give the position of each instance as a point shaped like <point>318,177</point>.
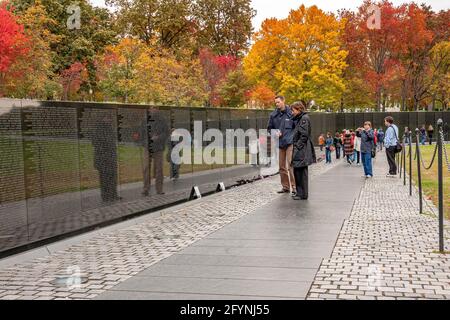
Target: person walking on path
<point>329,145</point>
<point>348,147</point>
<point>281,121</point>
<point>367,137</point>
<point>430,134</point>
<point>321,141</point>
<point>407,135</point>
<point>380,136</point>
<point>390,143</point>
<point>342,143</point>
<point>423,135</point>
<point>304,154</point>
<point>337,144</point>
<point>357,149</point>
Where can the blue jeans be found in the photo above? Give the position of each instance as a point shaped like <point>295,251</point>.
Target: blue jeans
<point>367,163</point>
<point>328,155</point>
<point>423,139</point>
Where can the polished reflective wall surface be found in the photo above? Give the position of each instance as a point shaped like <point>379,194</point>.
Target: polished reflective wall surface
<point>67,166</point>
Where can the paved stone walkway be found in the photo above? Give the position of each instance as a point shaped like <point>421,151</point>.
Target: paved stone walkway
<point>386,249</point>
<point>272,253</point>
<point>109,258</point>
<point>251,243</point>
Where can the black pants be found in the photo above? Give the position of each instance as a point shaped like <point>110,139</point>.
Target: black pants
<point>358,156</point>
<point>338,152</point>
<point>390,152</point>
<point>301,181</point>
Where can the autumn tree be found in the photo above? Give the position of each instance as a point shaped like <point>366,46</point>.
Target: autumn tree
<point>133,72</point>
<point>225,26</point>
<point>438,74</point>
<point>163,79</point>
<point>300,56</point>
<point>38,80</point>
<point>71,80</point>
<point>170,22</point>
<point>13,45</point>
<point>357,93</point>
<point>75,45</point>
<point>261,96</point>
<point>215,69</point>
<point>376,51</point>
<point>117,68</point>
<point>234,89</point>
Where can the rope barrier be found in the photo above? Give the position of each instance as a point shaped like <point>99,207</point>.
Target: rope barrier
<point>432,160</point>
<point>441,132</point>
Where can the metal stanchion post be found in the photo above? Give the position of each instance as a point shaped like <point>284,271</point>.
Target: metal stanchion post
<point>419,177</point>
<point>397,161</point>
<point>404,162</point>
<point>400,168</point>
<point>410,163</point>
<point>441,186</point>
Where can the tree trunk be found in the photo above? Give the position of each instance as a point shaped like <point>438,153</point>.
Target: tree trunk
<point>378,98</point>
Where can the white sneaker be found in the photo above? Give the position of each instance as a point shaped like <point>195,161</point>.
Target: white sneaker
<point>391,175</point>
<point>368,177</point>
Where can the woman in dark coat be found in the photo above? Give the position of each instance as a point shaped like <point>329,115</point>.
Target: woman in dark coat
<point>303,154</point>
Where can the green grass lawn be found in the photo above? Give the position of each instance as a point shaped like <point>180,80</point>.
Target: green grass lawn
<point>430,177</point>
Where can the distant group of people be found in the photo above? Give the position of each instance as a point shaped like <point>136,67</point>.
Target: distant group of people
<point>360,146</point>
<point>348,142</point>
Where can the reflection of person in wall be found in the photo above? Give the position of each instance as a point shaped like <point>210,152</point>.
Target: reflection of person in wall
<point>105,157</point>
<point>174,168</point>
<point>153,137</point>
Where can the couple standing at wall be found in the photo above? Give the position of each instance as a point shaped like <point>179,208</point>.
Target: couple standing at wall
<point>296,150</point>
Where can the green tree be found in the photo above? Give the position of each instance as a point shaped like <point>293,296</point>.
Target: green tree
<point>169,22</point>
<point>234,89</point>
<point>76,45</point>
<point>225,26</point>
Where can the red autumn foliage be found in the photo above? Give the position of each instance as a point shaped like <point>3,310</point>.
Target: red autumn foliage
<point>13,41</point>
<point>72,78</point>
<point>215,70</point>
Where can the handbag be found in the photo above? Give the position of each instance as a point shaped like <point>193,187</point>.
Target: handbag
<point>374,152</point>
<point>398,147</point>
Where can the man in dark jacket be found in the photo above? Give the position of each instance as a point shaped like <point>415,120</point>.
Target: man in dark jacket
<point>303,154</point>
<point>281,122</point>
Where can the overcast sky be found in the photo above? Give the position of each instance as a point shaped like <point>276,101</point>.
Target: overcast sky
<point>280,8</point>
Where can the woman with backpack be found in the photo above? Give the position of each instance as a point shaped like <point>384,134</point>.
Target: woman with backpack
<point>348,147</point>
